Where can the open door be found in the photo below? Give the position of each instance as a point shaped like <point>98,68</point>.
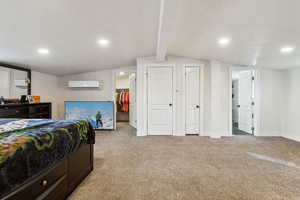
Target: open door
<point>246,101</point>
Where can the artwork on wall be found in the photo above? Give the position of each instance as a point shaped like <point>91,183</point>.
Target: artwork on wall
<point>99,113</point>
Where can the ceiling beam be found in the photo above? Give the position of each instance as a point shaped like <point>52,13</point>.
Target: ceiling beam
<point>167,27</point>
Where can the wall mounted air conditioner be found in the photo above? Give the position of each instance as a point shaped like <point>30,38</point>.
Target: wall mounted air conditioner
<point>21,83</point>
<point>83,84</point>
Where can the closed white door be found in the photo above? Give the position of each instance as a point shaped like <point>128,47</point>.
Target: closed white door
<point>132,100</point>
<point>160,101</point>
<point>245,101</point>
<point>192,99</point>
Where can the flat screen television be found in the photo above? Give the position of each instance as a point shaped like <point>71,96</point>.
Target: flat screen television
<point>99,113</point>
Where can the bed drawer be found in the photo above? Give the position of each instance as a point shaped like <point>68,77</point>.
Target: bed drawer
<point>51,184</point>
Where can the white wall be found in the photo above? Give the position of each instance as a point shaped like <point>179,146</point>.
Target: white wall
<point>278,100</point>
<point>291,106</point>
<point>104,93</point>
<point>47,86</point>
<point>216,109</point>
<point>122,81</point>
<point>271,99</point>
<point>219,100</point>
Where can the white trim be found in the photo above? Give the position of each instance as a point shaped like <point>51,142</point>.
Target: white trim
<point>257,96</point>
<point>292,136</point>
<point>173,67</point>
<point>115,72</point>
<point>202,100</point>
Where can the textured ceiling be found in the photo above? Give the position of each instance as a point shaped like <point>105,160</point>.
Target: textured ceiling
<point>258,29</point>
<point>70,29</point>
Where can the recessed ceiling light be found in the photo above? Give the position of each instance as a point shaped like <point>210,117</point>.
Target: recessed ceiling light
<point>43,51</point>
<point>104,42</point>
<point>224,41</point>
<point>122,73</point>
<point>287,49</point>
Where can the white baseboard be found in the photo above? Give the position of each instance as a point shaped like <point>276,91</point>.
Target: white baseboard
<point>215,137</point>
<point>218,135</point>
<point>270,134</point>
<point>291,136</point>
<point>141,133</point>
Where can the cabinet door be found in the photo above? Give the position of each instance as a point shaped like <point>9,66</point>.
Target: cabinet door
<point>40,111</point>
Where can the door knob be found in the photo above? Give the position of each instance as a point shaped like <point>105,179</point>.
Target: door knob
<point>197,106</point>
<point>170,104</point>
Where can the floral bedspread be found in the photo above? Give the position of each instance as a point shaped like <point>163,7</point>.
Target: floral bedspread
<point>29,147</point>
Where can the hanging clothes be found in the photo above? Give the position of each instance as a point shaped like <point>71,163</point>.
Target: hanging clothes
<point>125,100</point>
<point>122,100</point>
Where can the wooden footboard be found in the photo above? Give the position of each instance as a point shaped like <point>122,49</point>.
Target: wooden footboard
<point>59,181</point>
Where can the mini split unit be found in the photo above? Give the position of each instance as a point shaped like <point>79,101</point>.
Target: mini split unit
<point>83,84</point>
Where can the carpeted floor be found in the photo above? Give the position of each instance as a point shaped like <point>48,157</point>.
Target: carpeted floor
<point>161,167</point>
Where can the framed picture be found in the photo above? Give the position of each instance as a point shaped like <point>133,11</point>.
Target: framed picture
<point>30,99</point>
<point>99,113</point>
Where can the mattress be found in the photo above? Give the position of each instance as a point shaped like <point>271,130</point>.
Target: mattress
<point>28,147</point>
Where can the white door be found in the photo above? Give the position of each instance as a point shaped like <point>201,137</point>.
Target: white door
<point>132,100</point>
<point>235,101</point>
<point>245,101</point>
<point>192,99</point>
<point>160,101</point>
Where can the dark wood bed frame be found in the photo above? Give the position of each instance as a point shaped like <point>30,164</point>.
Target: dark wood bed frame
<point>58,182</point>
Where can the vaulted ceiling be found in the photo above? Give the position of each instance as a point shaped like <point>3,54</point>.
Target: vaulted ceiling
<point>70,29</point>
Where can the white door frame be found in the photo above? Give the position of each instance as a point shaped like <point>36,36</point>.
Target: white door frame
<point>201,82</point>
<point>132,111</point>
<point>114,78</point>
<point>172,66</point>
<point>256,110</point>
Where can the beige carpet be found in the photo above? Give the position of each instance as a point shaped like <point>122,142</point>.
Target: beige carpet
<point>158,167</point>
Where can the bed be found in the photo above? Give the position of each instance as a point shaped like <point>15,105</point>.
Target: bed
<point>44,159</point>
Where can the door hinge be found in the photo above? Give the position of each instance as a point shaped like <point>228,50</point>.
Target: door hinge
<point>252,116</point>
<point>253,78</point>
<point>253,104</point>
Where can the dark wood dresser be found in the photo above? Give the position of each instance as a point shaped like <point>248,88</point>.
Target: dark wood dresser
<point>26,111</point>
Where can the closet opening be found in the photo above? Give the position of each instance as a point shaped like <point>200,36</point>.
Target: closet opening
<point>125,101</point>
<point>243,102</point>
